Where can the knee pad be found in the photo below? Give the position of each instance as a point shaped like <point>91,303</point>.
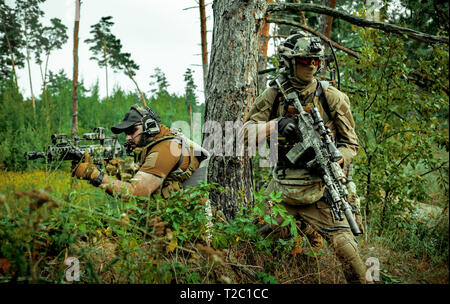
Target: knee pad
<point>347,251</point>
<point>345,246</point>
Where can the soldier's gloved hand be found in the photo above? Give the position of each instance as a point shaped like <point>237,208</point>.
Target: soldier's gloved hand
<point>86,169</point>
<point>287,127</point>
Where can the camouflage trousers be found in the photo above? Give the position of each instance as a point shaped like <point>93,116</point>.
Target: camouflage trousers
<point>336,233</point>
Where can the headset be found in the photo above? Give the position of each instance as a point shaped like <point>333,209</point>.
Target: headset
<point>150,120</point>
<point>150,126</point>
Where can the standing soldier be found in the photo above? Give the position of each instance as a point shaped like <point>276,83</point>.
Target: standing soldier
<point>302,188</point>
<point>163,160</point>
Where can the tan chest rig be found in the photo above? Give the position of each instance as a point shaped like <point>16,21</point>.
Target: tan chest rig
<point>173,182</point>
<point>280,108</point>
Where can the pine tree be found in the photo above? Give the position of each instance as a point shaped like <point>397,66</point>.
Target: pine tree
<point>11,43</point>
<point>49,39</point>
<point>189,92</point>
<point>102,42</point>
<point>159,82</point>
<point>30,12</point>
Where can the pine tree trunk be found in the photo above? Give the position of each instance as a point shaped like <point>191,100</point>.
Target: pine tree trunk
<point>12,60</point>
<point>330,20</point>
<point>326,22</point>
<point>29,73</point>
<point>106,71</point>
<point>137,87</point>
<point>262,58</point>
<point>44,90</point>
<point>75,70</point>
<point>322,28</point>
<point>231,88</point>
<point>204,42</point>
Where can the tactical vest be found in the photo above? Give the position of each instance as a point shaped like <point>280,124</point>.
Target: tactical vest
<point>298,185</point>
<point>173,182</point>
<point>281,108</point>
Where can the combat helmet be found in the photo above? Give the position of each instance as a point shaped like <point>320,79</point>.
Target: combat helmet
<point>299,44</point>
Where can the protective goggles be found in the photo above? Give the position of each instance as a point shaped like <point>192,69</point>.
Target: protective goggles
<point>308,61</point>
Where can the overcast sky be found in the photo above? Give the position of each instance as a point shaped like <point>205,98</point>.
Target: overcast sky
<point>156,33</point>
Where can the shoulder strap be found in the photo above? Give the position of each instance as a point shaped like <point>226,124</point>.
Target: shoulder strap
<point>153,143</point>
<point>276,104</point>
<point>285,88</point>
<point>320,91</point>
<point>142,154</point>
<point>180,160</point>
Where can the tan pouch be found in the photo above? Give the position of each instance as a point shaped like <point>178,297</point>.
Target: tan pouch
<point>297,187</point>
<point>170,187</point>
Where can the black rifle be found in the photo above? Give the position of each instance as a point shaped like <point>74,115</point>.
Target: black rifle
<point>318,152</point>
<point>64,148</point>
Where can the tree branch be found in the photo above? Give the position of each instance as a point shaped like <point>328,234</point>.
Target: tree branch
<point>386,27</point>
<point>308,29</point>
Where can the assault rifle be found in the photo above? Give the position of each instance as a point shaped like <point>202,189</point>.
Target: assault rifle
<point>64,148</point>
<point>318,152</point>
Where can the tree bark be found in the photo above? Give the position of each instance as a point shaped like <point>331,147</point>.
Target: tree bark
<point>75,70</point>
<point>386,27</point>
<point>262,58</point>
<point>231,88</point>
<point>330,20</point>
<point>326,22</point>
<point>322,28</point>
<point>204,42</point>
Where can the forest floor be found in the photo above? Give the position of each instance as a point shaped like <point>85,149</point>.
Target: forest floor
<point>393,264</point>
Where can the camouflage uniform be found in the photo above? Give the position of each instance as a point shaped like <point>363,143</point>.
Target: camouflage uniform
<point>302,190</point>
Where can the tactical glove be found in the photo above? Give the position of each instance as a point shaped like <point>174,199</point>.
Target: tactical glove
<point>287,127</point>
<point>86,169</point>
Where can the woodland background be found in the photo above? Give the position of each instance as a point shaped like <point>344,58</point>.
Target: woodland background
<point>398,86</point>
